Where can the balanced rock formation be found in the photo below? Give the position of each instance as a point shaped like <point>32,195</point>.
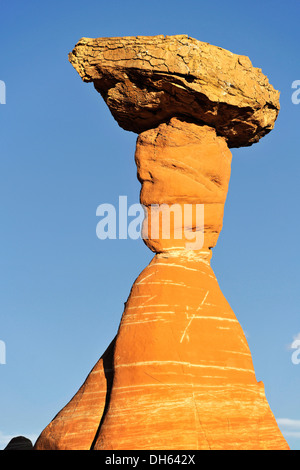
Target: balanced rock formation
<point>179,373</point>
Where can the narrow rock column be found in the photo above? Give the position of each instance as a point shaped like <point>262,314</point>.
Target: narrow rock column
<point>182,165</point>
<point>179,374</point>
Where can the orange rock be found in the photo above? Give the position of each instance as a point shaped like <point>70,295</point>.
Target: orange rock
<point>179,374</point>
<point>183,163</point>
<point>75,426</point>
<point>183,373</point>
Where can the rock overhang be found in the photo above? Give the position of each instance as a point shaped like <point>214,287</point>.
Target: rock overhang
<point>147,80</point>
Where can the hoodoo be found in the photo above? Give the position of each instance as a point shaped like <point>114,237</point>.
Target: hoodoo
<point>179,373</point>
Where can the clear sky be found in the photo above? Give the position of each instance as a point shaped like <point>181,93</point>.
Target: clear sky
<point>62,290</point>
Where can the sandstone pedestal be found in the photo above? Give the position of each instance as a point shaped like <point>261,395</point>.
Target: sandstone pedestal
<point>179,374</point>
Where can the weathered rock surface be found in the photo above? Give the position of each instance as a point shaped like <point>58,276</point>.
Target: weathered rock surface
<point>179,374</point>
<point>180,377</point>
<point>76,425</point>
<point>183,163</point>
<point>147,80</point>
<point>183,373</point>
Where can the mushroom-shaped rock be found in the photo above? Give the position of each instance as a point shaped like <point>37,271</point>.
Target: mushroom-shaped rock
<point>147,80</point>
<point>179,374</point>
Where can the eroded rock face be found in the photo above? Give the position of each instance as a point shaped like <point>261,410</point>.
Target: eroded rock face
<point>181,163</point>
<point>76,425</point>
<point>183,373</point>
<point>179,374</point>
<point>147,80</point>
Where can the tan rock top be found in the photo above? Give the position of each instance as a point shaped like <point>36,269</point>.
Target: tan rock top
<point>147,80</point>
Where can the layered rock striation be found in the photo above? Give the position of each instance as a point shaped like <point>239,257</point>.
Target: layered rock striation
<point>179,374</point>
<point>147,80</point>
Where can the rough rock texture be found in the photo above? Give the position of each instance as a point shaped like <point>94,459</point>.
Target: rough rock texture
<point>183,163</point>
<point>179,374</point>
<point>148,80</point>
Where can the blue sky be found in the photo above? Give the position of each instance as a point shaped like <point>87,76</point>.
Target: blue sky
<point>62,290</point>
